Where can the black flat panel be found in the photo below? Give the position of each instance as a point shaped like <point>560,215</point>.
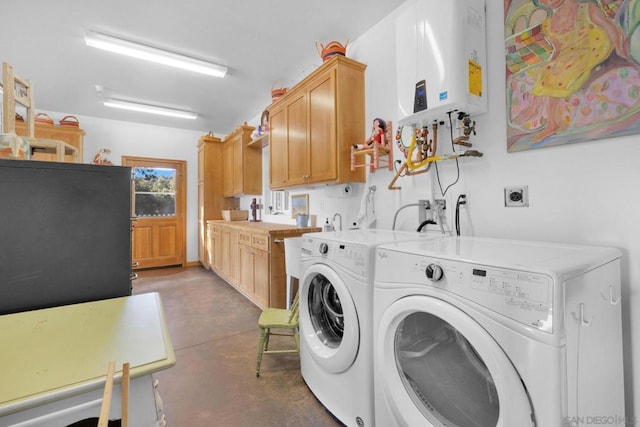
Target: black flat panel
<point>65,234</point>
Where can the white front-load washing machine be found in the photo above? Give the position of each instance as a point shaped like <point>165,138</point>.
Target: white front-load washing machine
<point>336,334</point>
<point>488,332</point>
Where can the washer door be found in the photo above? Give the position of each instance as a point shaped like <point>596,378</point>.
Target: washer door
<point>328,319</point>
<point>436,364</point>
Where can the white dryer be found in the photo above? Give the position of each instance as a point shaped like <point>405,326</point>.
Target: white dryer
<point>488,332</point>
<point>336,334</point>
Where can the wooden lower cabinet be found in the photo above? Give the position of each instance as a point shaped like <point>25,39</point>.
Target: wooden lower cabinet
<point>251,258</point>
<point>214,251</point>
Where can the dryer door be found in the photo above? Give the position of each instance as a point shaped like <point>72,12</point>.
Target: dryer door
<point>328,319</point>
<point>437,364</point>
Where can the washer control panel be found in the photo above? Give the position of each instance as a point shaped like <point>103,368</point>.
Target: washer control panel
<point>353,257</point>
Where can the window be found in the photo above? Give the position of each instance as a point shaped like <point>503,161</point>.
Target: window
<point>154,192</point>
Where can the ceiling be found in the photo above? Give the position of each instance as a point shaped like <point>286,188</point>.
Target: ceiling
<point>263,44</point>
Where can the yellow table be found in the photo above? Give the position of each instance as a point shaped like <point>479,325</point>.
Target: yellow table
<point>47,356</point>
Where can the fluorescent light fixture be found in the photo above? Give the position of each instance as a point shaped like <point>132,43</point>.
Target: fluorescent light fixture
<point>125,47</point>
<point>152,109</point>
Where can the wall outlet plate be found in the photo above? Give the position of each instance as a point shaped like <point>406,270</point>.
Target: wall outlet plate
<point>516,196</point>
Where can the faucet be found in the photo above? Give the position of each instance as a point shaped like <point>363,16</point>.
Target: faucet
<point>334,219</point>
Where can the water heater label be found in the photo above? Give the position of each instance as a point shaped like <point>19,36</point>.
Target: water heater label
<point>444,96</point>
<point>475,78</point>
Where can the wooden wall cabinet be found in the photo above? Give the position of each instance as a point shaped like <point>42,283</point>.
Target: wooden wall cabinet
<point>211,200</point>
<point>68,134</point>
<point>313,126</point>
<point>242,164</point>
<point>252,258</point>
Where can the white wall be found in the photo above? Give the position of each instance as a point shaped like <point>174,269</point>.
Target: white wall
<point>584,193</point>
<point>133,139</point>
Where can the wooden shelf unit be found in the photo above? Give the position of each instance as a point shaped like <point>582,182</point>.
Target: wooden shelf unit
<point>42,147</point>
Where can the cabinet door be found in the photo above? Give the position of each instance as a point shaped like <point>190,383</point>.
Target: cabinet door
<point>227,170</point>
<point>217,251</point>
<point>247,273</point>
<point>213,247</point>
<point>261,278</point>
<point>204,241</point>
<point>297,141</point>
<point>322,125</point>
<point>234,266</point>
<point>203,230</point>
<point>238,168</point>
<point>225,247</point>
<point>278,148</point>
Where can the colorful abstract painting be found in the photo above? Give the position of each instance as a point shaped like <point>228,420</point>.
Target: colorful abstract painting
<point>572,71</point>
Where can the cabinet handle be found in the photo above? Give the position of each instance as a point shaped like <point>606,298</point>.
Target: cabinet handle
<point>278,241</point>
<point>134,218</point>
<point>135,264</point>
<point>133,276</point>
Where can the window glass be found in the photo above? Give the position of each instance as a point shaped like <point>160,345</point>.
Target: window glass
<point>154,192</point>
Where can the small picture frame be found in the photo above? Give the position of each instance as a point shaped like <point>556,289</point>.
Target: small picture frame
<point>299,205</point>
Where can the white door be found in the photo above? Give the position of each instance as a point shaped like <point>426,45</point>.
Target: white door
<point>329,324</point>
<point>439,367</point>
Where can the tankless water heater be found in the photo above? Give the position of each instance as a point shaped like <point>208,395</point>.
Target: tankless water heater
<point>441,60</point>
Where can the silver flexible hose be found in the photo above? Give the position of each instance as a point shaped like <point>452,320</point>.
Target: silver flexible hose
<point>395,217</point>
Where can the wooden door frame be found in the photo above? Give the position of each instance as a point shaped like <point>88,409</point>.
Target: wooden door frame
<point>181,193</point>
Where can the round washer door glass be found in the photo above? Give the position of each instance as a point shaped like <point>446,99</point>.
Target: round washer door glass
<point>325,311</point>
<point>444,375</point>
<point>329,327</point>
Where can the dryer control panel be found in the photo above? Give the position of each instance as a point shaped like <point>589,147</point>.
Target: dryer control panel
<point>525,297</point>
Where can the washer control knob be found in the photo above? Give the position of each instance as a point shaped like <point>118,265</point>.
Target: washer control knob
<point>434,272</point>
<point>324,248</point>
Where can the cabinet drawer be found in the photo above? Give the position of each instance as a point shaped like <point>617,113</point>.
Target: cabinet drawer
<point>244,238</point>
<point>260,241</point>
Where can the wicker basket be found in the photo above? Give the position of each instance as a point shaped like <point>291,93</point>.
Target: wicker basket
<point>331,49</point>
<point>44,119</point>
<point>70,121</point>
<point>277,92</point>
<point>235,215</point>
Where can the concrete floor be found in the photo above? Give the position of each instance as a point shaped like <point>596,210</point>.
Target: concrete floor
<point>215,337</point>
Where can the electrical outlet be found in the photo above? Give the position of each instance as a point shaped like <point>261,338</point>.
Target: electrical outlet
<point>517,196</point>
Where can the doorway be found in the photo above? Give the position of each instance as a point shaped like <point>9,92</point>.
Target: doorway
<point>158,204</point>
